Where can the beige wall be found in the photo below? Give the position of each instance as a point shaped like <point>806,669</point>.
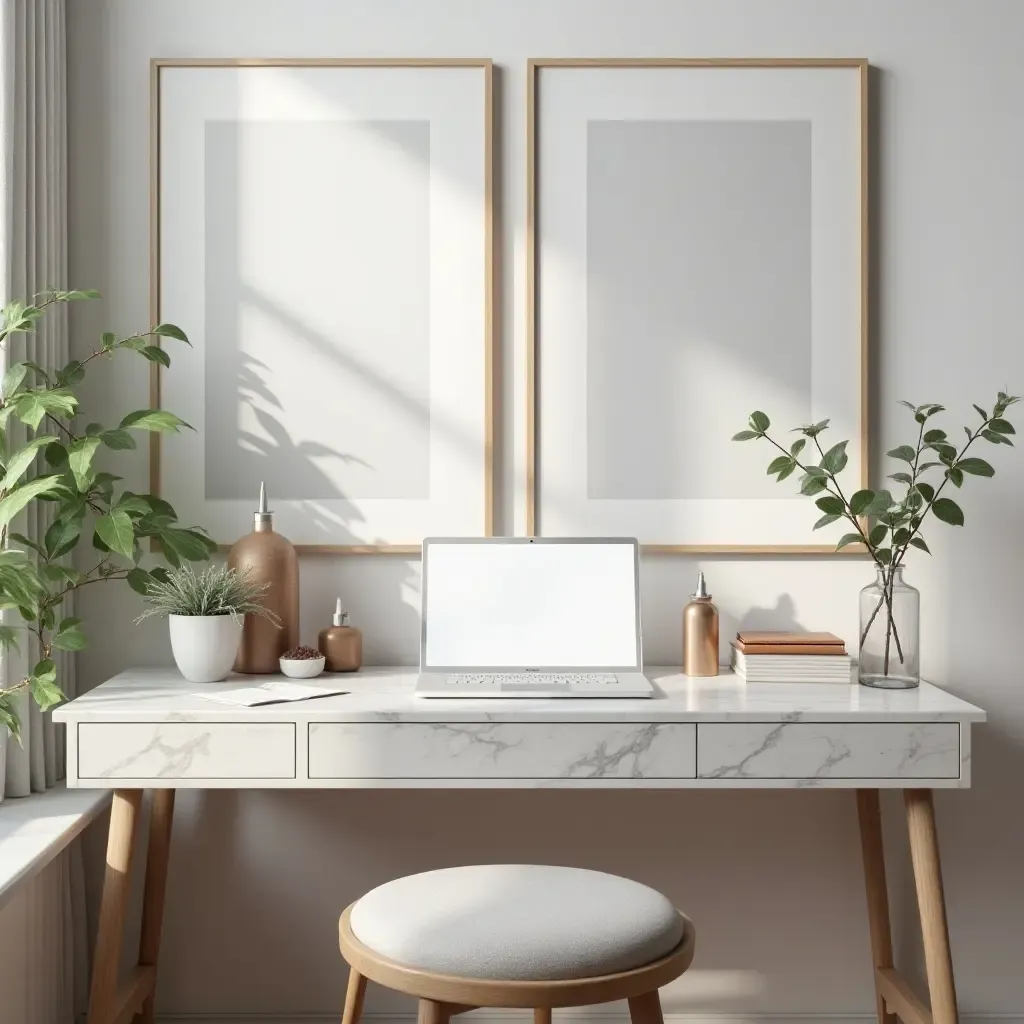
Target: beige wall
<point>772,879</point>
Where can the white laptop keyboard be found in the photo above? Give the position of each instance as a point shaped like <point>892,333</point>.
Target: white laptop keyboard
<point>533,684</point>
<point>472,681</point>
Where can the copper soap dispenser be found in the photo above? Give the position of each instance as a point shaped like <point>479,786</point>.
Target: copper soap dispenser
<point>700,633</point>
<point>273,561</point>
<point>341,644</point>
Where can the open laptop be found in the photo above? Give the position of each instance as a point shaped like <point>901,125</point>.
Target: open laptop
<point>531,617</point>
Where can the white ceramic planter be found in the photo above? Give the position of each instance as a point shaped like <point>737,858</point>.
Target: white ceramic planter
<point>205,646</point>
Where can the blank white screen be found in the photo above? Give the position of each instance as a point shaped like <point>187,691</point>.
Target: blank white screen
<point>493,605</point>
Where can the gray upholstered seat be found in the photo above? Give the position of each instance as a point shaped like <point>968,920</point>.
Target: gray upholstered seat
<point>516,922</point>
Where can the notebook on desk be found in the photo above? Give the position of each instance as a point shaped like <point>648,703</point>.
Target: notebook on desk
<point>530,617</point>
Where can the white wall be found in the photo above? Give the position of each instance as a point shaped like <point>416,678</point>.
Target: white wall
<point>772,880</point>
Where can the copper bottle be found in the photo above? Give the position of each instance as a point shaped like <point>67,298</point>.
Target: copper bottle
<point>700,633</point>
<point>341,644</point>
<point>273,560</point>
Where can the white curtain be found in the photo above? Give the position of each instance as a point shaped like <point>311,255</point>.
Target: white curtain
<point>33,241</point>
<point>33,257</point>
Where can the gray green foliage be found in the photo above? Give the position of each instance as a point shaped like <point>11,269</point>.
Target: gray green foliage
<point>57,465</point>
<point>217,590</point>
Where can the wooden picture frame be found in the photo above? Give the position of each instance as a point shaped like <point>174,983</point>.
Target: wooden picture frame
<point>856,358</point>
<point>426,515</point>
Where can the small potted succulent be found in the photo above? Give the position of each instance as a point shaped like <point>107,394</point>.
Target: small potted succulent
<point>205,613</point>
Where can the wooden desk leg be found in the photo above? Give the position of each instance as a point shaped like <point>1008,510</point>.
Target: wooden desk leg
<point>161,819</point>
<point>116,883</point>
<point>873,851</point>
<point>931,903</point>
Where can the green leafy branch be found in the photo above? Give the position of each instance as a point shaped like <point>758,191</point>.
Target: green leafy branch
<point>36,579</point>
<point>888,527</point>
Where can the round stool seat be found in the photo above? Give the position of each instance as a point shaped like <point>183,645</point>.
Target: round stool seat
<point>517,922</point>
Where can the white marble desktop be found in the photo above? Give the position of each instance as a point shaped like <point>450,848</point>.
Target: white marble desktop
<point>149,727</point>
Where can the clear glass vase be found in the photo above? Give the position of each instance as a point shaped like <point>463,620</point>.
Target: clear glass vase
<point>890,612</point>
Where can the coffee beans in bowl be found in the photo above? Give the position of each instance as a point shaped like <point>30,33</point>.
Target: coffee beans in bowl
<point>302,662</point>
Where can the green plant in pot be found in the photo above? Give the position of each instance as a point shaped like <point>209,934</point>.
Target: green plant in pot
<point>205,613</point>
<point>888,525</point>
<point>48,456</point>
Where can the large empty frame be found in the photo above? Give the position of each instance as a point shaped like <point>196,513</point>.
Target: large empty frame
<point>322,230</point>
<point>681,273</point>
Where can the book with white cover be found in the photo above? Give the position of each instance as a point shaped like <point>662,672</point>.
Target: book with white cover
<point>780,668</point>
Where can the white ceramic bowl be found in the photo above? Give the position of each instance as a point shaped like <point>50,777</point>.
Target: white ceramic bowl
<point>302,668</point>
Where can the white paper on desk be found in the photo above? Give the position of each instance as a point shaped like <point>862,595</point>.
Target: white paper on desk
<point>277,691</point>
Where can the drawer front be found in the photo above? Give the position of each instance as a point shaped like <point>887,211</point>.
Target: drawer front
<point>186,750</point>
<point>501,750</point>
<point>845,750</point>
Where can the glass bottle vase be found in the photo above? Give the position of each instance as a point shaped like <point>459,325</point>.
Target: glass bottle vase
<point>890,641</point>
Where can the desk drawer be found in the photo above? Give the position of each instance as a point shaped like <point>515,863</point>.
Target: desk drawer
<point>186,750</point>
<point>841,750</point>
<point>501,750</point>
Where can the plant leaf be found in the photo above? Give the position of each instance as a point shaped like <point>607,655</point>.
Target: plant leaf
<point>139,580</point>
<point>171,331</point>
<point>861,501</point>
<point>976,467</point>
<point>62,536</point>
<point>759,422</point>
<point>788,471</point>
<point>43,685</point>
<point>981,412</point>
<point>835,458</point>
<point>115,530</point>
<point>884,555</point>
<point>955,476</point>
<point>22,459</point>
<point>71,639</point>
<point>991,435</point>
<point>745,435</point>
<point>825,521</point>
<point>154,419</point>
<point>831,504</point>
<point>117,439</point>
<point>847,539</point>
<point>811,484</point>
<point>779,464</point>
<point>797,446</point>
<point>13,502</point>
<point>901,478</point>
<point>80,455</point>
<point>877,534</point>
<point>904,453</point>
<point>14,378</point>
<point>1002,427</point>
<point>155,354</point>
<point>948,511</point>
<point>918,542</point>
<point>925,490</point>
<point>934,435</point>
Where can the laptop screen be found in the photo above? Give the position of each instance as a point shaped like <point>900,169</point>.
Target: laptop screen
<point>521,604</point>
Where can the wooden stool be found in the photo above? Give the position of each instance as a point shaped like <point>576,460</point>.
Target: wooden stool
<point>523,936</point>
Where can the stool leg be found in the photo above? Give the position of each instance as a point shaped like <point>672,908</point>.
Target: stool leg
<point>542,1015</point>
<point>431,1012</point>
<point>646,1009</point>
<point>354,997</point>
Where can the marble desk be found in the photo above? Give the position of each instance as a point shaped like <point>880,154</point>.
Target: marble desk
<point>147,729</point>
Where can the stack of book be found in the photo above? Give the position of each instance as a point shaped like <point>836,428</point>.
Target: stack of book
<point>776,657</point>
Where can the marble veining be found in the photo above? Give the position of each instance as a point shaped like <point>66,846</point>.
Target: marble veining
<point>811,751</point>
<point>584,750</point>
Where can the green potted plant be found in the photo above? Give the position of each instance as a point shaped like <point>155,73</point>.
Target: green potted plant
<point>205,613</point>
<point>887,525</point>
<point>48,455</point>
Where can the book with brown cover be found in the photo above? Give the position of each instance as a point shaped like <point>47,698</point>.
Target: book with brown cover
<point>779,642</point>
